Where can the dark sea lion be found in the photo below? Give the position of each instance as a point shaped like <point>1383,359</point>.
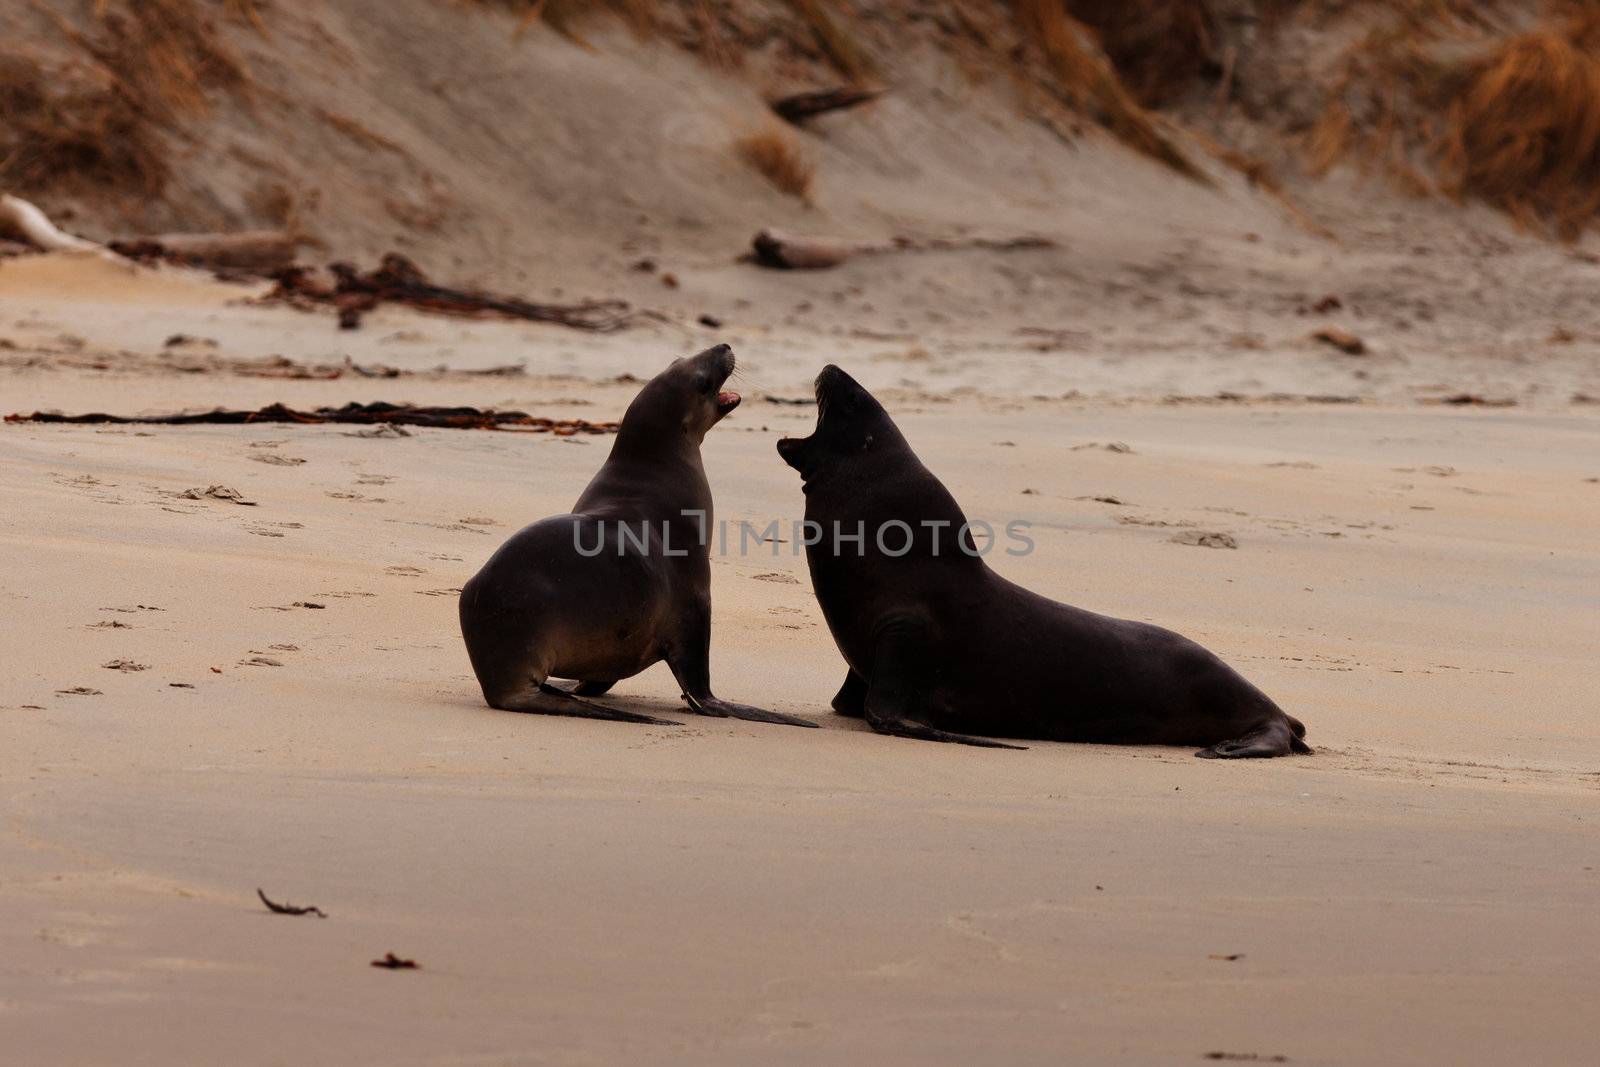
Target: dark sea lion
<point>622,582</point>
<point>938,643</point>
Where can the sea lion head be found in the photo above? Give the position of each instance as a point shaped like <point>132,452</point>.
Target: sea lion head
<point>688,395</point>
<point>850,421</point>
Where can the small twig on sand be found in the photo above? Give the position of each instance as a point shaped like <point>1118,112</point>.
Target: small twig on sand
<point>391,962</point>
<point>801,106</point>
<point>290,909</point>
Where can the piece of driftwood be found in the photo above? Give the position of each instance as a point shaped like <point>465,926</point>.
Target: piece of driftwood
<point>798,107</point>
<point>256,252</point>
<point>397,280</point>
<point>1343,340</point>
<point>19,217</point>
<point>366,414</point>
<point>791,251</point>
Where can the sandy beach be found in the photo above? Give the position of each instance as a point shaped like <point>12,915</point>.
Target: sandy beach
<point>1418,582</point>
<point>1273,323</point>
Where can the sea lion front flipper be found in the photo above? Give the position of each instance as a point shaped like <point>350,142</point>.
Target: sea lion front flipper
<point>923,732</point>
<point>898,665</point>
<point>549,700</point>
<point>728,709</point>
<point>851,699</point>
<point>690,662</point>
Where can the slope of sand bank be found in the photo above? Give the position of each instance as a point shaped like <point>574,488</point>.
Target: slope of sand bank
<point>1418,583</point>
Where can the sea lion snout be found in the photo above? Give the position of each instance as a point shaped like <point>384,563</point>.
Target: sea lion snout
<point>718,357</point>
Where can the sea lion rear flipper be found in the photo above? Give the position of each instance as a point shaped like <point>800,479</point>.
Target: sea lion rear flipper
<point>549,700</point>
<point>892,691</point>
<point>1274,738</point>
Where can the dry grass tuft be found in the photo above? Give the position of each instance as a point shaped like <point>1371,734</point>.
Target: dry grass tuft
<point>144,67</point>
<point>73,125</point>
<point>780,160</point>
<point>1090,84</point>
<point>1159,47</point>
<point>840,48</point>
<point>1523,132</point>
<point>1516,123</point>
<point>563,16</point>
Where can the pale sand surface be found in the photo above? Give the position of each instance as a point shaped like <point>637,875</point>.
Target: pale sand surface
<point>1420,584</point>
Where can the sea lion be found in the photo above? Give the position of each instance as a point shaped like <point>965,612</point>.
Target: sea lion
<point>622,582</point>
<point>941,647</point>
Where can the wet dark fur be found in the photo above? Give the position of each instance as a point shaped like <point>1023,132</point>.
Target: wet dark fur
<point>940,646</point>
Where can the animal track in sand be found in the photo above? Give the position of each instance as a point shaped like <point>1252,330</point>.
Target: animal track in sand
<point>125,665</point>
<point>276,460</point>
<point>374,479</point>
<point>774,576</point>
<point>440,592</point>
<point>1144,520</point>
<point>453,527</point>
<point>266,529</point>
<point>359,498</point>
<point>136,607</point>
<point>1205,539</point>
<point>80,691</point>
<point>216,492</point>
<point>403,570</point>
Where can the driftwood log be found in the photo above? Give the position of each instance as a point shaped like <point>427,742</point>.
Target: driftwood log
<point>260,252</point>
<point>791,251</point>
<point>25,220</point>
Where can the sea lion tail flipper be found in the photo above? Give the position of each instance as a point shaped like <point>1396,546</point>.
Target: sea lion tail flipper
<point>549,700</point>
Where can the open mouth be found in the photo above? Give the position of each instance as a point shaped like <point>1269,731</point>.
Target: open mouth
<point>727,400</point>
